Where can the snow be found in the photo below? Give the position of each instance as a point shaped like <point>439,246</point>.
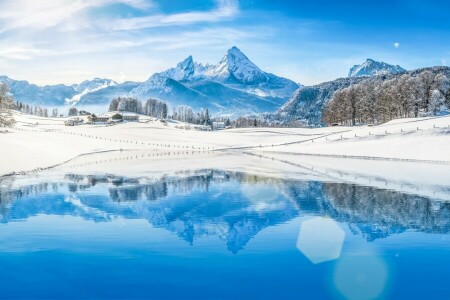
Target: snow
<point>188,83</point>
<point>38,142</point>
<point>89,86</point>
<point>236,65</point>
<point>151,149</point>
<point>409,139</point>
<point>372,68</point>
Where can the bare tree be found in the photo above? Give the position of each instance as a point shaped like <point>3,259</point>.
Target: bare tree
<point>443,85</point>
<point>6,105</point>
<point>436,101</point>
<point>54,113</point>
<point>378,100</point>
<point>427,78</point>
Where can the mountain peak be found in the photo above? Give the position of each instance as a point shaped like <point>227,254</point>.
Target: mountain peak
<point>183,71</point>
<point>234,53</point>
<point>372,68</point>
<point>186,63</point>
<point>236,66</point>
<point>234,50</point>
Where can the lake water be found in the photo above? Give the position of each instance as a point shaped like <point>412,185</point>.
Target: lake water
<point>215,234</point>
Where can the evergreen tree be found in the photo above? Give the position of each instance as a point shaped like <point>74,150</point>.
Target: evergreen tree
<point>73,111</point>
<point>207,118</point>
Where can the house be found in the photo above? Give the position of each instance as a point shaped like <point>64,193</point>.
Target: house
<point>73,122</point>
<point>70,123</point>
<point>114,116</point>
<point>218,125</point>
<point>205,128</point>
<point>92,118</point>
<point>129,117</point>
<point>103,118</point>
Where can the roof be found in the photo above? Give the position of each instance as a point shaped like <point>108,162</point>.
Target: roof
<point>123,113</point>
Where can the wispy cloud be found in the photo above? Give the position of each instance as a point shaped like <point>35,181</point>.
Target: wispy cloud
<point>42,14</point>
<point>225,9</point>
<point>18,53</point>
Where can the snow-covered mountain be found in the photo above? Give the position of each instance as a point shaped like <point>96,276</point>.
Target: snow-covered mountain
<point>48,95</point>
<point>89,86</point>
<point>371,68</point>
<point>235,67</point>
<point>307,103</point>
<point>185,70</point>
<point>234,86</point>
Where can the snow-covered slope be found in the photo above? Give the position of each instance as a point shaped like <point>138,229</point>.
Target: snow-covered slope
<point>371,67</point>
<point>49,95</point>
<point>306,104</point>
<point>185,70</point>
<point>89,86</point>
<point>38,142</point>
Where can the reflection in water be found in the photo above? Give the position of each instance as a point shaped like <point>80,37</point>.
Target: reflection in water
<point>230,205</point>
<point>308,232</point>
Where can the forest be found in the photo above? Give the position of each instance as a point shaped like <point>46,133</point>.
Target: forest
<point>375,101</point>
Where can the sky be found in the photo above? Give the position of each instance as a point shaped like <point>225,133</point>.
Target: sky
<point>68,41</point>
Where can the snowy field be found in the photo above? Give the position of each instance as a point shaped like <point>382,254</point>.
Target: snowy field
<point>38,143</point>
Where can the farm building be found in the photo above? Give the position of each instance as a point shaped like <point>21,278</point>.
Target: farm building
<point>114,117</point>
<point>218,125</point>
<point>130,117</point>
<point>73,122</point>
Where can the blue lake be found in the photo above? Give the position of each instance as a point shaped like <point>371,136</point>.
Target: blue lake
<point>214,234</point>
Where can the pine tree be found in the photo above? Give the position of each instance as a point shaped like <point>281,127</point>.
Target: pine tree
<point>207,118</point>
<point>73,111</point>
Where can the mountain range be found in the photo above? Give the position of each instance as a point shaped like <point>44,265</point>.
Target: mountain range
<point>234,86</point>
<point>372,68</point>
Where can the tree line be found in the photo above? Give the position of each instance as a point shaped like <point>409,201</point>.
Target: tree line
<point>34,110</point>
<point>185,113</point>
<point>7,105</point>
<point>377,101</point>
<point>151,107</point>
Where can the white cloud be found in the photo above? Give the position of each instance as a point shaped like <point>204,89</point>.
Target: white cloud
<point>42,14</point>
<point>18,53</point>
<point>225,9</point>
<point>397,45</point>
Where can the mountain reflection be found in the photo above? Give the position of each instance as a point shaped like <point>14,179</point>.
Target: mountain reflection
<point>233,206</point>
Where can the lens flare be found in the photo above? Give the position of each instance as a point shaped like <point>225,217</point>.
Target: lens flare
<point>320,239</point>
<point>361,277</point>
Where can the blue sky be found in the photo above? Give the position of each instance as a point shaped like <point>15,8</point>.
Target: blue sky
<point>67,41</point>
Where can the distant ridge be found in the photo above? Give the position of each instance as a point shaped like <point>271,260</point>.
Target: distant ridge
<point>372,68</point>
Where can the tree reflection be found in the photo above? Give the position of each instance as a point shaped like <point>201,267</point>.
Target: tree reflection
<point>215,203</point>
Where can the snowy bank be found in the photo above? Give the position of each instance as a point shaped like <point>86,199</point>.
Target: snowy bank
<point>37,142</point>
